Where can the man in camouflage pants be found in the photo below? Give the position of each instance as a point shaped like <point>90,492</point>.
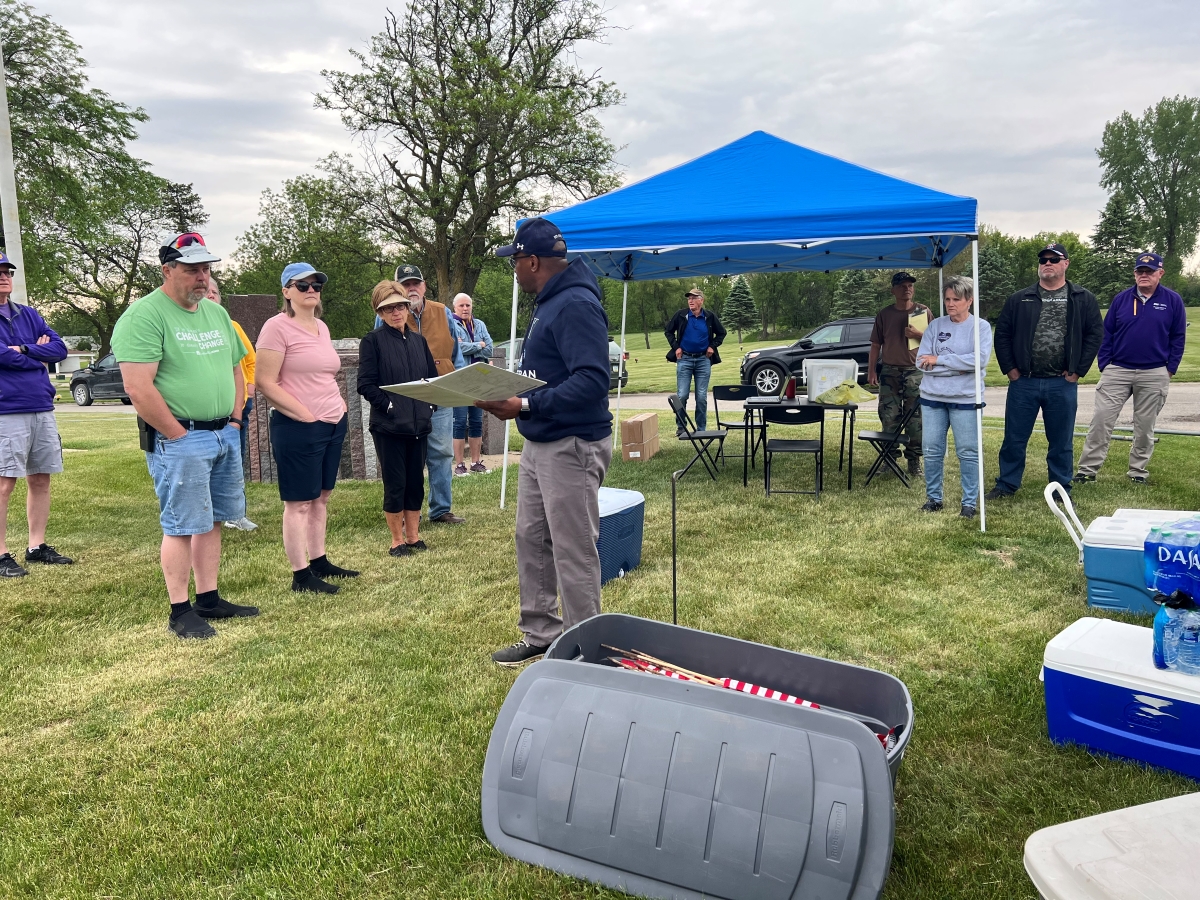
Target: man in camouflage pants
<point>900,381</point>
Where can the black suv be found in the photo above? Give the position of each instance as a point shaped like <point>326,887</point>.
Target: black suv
<point>769,369</point>
<point>99,381</point>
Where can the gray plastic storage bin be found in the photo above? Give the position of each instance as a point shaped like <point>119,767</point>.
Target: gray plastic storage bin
<point>675,789</point>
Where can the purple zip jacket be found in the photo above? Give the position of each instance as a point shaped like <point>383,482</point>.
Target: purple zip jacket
<point>1150,338</point>
<point>24,382</point>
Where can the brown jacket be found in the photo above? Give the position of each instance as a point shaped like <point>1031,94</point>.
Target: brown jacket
<point>436,331</point>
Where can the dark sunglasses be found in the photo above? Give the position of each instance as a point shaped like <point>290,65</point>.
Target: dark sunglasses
<point>512,260</point>
<point>186,240</point>
<point>1049,260</point>
<point>305,286</point>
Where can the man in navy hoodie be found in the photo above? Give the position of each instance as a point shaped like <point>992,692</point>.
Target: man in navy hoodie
<point>568,440</point>
<point>1139,353</point>
<point>31,448</point>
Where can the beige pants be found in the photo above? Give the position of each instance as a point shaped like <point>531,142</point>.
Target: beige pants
<point>558,524</point>
<point>1148,387</point>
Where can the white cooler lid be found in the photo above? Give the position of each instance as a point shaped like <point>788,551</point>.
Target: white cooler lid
<point>1123,534</point>
<point>615,500</point>
<point>1139,853</point>
<point>1120,654</point>
<point>1153,516</point>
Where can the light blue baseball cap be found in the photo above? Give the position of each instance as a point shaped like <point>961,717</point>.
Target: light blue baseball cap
<point>296,271</point>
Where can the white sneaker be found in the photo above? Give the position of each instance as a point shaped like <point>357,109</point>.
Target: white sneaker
<point>242,524</point>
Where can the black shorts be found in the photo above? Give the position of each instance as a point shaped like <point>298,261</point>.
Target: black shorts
<point>307,455</point>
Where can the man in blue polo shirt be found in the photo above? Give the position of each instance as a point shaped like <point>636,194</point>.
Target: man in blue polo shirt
<point>694,335</point>
<point>1140,351</point>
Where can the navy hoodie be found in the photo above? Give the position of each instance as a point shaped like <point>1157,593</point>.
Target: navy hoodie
<point>566,346</point>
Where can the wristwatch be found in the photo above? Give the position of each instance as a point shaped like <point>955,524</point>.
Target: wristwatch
<point>24,349</point>
<point>524,408</point>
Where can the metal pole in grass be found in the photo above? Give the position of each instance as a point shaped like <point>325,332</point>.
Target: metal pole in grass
<point>675,476</point>
<point>8,196</point>
<point>978,388</point>
<point>621,361</point>
<point>512,364</point>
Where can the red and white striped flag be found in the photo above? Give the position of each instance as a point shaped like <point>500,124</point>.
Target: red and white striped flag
<point>746,688</point>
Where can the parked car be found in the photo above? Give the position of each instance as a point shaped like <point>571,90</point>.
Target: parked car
<point>614,362</point>
<point>99,381</point>
<point>768,369</point>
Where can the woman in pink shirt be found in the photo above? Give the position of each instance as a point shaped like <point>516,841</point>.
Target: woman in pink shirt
<point>297,372</point>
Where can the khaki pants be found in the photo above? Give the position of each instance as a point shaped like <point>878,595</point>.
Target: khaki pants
<point>1148,387</point>
<point>558,524</point>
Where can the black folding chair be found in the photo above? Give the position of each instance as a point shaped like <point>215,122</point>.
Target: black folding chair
<point>886,443</point>
<point>792,415</point>
<point>701,440</point>
<point>738,393</point>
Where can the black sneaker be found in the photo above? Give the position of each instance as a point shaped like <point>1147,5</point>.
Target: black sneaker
<point>326,569</point>
<point>997,494</point>
<point>967,512</point>
<point>932,506</point>
<point>1080,478</point>
<point>223,609</point>
<point>417,545</point>
<point>518,654</point>
<point>48,555</point>
<point>400,550</point>
<point>1139,479</point>
<point>10,568</point>
<point>190,625</point>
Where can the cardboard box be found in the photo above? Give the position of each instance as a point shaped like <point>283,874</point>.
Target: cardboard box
<point>640,452</point>
<point>640,428</point>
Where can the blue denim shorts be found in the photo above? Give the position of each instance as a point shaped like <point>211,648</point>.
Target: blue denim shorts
<point>198,480</point>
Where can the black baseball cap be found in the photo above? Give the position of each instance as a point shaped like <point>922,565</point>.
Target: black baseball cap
<point>408,272</point>
<point>1055,248</point>
<point>901,277</point>
<point>536,237</point>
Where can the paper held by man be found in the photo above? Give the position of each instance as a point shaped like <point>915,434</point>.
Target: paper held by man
<point>463,387</point>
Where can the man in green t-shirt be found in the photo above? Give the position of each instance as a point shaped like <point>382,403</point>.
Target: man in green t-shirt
<point>179,360</point>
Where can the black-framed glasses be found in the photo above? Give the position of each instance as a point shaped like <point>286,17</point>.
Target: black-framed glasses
<point>512,260</point>
<point>305,286</point>
<point>1144,270</point>
<point>1049,260</point>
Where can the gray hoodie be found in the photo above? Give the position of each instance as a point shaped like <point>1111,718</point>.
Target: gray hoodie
<point>953,343</point>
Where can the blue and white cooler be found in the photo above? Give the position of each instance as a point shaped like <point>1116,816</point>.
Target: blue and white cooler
<point>622,516</point>
<point>1103,691</point>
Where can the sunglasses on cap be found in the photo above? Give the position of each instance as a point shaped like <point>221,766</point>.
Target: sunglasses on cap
<point>1049,260</point>
<point>305,286</point>
<point>186,240</point>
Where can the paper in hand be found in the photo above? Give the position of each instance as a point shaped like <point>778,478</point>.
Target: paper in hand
<point>463,387</point>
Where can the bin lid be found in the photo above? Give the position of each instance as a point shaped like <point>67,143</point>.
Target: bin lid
<point>666,788</point>
<point>615,500</point>
<point>1154,516</point>
<point>1120,654</point>
<point>1147,851</point>
<point>1121,534</point>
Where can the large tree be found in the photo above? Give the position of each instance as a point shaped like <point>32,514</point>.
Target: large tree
<point>1116,241</point>
<point>996,279</point>
<point>469,111</point>
<point>1155,161</point>
<point>740,312</point>
<point>855,295</point>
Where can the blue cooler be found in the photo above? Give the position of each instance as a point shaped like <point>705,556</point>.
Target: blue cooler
<point>1113,559</point>
<point>1102,691</point>
<point>622,515</point>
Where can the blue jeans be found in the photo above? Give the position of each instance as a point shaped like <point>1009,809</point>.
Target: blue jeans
<point>700,368</point>
<point>1058,399</point>
<point>198,480</point>
<point>467,418</point>
<point>936,421</point>
<point>439,459</point>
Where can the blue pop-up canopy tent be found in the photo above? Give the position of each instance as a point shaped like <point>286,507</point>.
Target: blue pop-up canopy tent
<point>763,204</point>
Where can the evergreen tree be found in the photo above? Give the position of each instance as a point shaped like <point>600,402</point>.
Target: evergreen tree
<point>855,295</point>
<point>1117,239</point>
<point>996,280</point>
<point>740,311</point>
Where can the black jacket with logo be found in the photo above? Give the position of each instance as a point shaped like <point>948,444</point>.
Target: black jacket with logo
<point>674,333</point>
<point>1018,320</point>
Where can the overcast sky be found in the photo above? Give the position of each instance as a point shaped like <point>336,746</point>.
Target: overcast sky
<point>1003,101</point>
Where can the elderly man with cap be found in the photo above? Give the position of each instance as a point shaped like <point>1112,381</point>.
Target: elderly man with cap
<point>1046,340</point>
<point>435,322</point>
<point>180,362</point>
<point>694,334</point>
<point>568,439</point>
<point>1142,345</point>
<point>899,380</point>
<point>27,422</point>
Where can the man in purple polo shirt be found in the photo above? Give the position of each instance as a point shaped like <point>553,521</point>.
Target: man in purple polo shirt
<point>1140,351</point>
<point>29,444</point>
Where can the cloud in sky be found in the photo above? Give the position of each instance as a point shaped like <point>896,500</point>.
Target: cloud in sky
<point>1004,101</point>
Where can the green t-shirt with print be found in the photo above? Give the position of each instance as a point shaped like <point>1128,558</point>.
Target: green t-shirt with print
<point>195,351</point>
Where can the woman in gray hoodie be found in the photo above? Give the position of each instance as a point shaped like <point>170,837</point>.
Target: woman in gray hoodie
<point>947,358</point>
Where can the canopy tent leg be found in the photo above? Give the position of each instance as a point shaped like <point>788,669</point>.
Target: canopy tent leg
<point>8,197</point>
<point>512,365</point>
<point>620,367</point>
<point>942,296</point>
<point>978,389</point>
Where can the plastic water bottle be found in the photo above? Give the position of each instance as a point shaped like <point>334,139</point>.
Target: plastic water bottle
<point>1172,565</point>
<point>1187,656</point>
<point>1153,541</point>
<point>1191,581</point>
<point>1166,637</point>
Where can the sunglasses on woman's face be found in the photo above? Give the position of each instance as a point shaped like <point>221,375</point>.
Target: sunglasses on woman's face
<point>305,286</point>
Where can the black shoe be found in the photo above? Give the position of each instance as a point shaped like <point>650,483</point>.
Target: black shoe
<point>323,568</point>
<point>914,468</point>
<point>305,582</point>
<point>967,512</point>
<point>448,519</point>
<point>518,654</point>
<point>997,494</point>
<point>1080,478</point>
<point>10,568</point>
<point>417,545</point>
<point>400,550</point>
<point>190,625</point>
<point>932,506</point>
<point>1139,479</point>
<point>48,555</point>
<point>223,609</point>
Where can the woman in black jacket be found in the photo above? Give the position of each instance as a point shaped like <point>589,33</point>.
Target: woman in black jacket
<point>400,426</point>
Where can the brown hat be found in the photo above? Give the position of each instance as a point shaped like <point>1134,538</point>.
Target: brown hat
<point>388,293</point>
<point>695,292</point>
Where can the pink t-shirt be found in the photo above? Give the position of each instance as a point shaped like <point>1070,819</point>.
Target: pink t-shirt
<point>310,365</point>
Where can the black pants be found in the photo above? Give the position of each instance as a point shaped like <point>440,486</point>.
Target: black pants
<point>402,467</point>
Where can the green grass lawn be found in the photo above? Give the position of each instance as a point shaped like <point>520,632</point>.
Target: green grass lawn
<point>334,747</point>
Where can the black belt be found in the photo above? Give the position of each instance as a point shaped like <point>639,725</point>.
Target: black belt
<point>210,425</point>
<point>694,355</point>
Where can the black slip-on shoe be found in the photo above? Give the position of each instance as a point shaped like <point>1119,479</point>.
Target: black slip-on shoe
<point>932,506</point>
<point>48,555</point>
<point>223,609</point>
<point>191,626</point>
<point>518,654</point>
<point>329,570</point>
<point>997,494</point>
<point>417,545</point>
<point>400,550</point>
<point>313,585</point>
<point>10,568</point>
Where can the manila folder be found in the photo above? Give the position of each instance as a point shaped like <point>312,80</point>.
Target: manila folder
<point>463,387</point>
<point>919,321</point>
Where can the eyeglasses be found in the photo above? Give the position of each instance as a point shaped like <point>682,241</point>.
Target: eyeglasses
<point>512,260</point>
<point>186,240</point>
<point>305,286</point>
<point>393,308</point>
<point>1049,260</point>
<point>1144,270</point>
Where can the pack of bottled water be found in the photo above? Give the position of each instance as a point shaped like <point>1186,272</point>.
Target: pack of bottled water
<point>1172,571</point>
